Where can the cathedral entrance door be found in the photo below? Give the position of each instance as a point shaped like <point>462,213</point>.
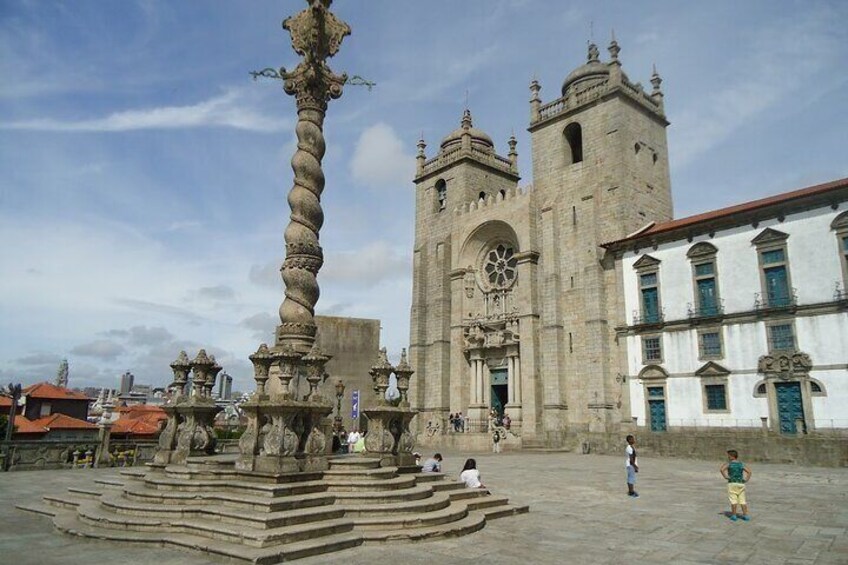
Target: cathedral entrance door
<point>789,407</point>
<point>499,392</point>
<point>656,406</point>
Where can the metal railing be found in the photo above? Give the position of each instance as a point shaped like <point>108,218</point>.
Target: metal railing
<point>705,311</point>
<point>762,301</point>
<point>641,318</point>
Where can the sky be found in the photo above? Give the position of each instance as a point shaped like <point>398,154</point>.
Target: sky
<point>144,174</point>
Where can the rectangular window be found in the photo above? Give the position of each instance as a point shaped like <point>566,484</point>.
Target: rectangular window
<point>716,397</point>
<point>705,281</point>
<point>650,297</point>
<point>781,337</point>
<point>710,344</point>
<point>776,278</point>
<point>655,392</point>
<point>651,350</point>
<point>45,409</point>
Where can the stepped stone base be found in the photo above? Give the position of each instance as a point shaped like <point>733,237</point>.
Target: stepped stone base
<point>208,505</point>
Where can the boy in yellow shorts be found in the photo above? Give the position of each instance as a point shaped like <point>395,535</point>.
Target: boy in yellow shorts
<point>737,474</point>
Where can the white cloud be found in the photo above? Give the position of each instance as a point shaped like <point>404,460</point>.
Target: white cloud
<point>232,109</point>
<point>374,263</point>
<point>100,349</point>
<point>379,160</point>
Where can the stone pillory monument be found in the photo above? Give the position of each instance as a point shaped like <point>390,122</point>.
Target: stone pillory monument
<point>284,495</point>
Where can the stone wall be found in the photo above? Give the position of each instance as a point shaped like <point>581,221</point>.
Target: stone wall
<point>39,455</point>
<point>353,343</point>
<point>825,450</point>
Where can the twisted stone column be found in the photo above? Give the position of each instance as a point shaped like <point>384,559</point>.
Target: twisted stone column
<point>316,35</point>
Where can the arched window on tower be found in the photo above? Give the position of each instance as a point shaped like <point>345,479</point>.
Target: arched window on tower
<point>442,194</point>
<point>481,197</point>
<point>574,142</point>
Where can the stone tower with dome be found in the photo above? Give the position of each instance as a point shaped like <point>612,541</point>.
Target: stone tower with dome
<point>514,303</point>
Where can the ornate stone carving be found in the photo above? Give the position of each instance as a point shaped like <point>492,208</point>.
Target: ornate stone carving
<point>785,366</point>
<point>316,443</point>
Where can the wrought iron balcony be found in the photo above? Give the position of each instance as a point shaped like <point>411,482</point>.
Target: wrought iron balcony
<point>705,310</point>
<point>786,300</point>
<point>645,318</point>
<point>840,294</point>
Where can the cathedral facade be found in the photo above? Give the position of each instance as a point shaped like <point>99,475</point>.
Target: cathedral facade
<point>515,302</point>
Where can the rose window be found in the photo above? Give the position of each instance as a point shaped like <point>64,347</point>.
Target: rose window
<point>500,265</point>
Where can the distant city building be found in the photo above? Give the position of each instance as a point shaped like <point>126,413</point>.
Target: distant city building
<point>127,381</point>
<point>225,386</point>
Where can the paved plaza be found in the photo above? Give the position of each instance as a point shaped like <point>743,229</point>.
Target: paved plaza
<point>579,513</point>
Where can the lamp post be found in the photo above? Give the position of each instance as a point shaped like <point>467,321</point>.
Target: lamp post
<point>340,390</point>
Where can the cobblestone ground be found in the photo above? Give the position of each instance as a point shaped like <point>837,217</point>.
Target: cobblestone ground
<point>579,513</point>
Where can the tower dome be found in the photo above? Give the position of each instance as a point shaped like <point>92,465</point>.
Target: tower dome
<point>479,138</point>
<point>589,74</point>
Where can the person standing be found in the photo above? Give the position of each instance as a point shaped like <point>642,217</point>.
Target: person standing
<point>737,474</point>
<point>496,441</point>
<point>631,466</point>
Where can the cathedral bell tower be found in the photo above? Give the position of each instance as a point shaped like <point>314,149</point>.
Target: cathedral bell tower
<point>452,190</point>
<point>600,172</point>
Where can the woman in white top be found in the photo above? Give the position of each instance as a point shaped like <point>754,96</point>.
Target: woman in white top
<point>470,475</point>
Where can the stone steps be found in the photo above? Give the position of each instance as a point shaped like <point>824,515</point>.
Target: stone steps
<point>472,522</point>
<point>403,520</point>
<point>229,486</point>
<point>94,514</point>
<point>354,462</point>
<point>262,520</point>
<point>268,517</point>
<point>355,474</point>
<point>436,502</point>
<point>383,497</point>
<point>70,524</point>
<point>342,484</point>
<point>256,503</point>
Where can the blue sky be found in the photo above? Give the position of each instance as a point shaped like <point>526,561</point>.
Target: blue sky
<point>143,174</point>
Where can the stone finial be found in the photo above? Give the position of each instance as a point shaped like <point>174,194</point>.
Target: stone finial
<point>261,360</point>
<point>613,48</point>
<point>200,367</point>
<point>380,373</point>
<point>403,372</point>
<point>535,100</point>
<point>421,158</point>
<point>466,119</point>
<point>315,361</point>
<point>656,80</point>
<point>513,154</point>
<point>593,55</point>
<point>656,93</point>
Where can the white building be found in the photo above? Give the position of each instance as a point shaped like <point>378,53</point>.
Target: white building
<point>739,317</point>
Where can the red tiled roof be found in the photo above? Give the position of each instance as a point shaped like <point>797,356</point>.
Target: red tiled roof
<point>134,427</point>
<point>784,198</point>
<point>53,392</point>
<point>5,404</point>
<point>53,422</point>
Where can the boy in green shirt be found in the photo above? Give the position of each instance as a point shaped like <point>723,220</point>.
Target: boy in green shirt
<point>737,474</point>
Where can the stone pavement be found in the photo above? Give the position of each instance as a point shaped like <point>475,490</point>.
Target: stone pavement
<point>579,513</point>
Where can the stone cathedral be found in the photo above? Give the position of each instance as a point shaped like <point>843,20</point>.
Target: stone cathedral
<point>514,302</point>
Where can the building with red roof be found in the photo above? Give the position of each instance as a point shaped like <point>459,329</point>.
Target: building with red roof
<point>44,399</point>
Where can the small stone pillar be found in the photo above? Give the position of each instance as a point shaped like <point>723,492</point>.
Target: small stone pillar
<point>103,458</point>
<point>389,437</point>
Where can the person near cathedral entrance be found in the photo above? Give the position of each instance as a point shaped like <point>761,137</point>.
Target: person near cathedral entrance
<point>352,439</point>
<point>736,474</point>
<point>433,464</point>
<point>496,441</point>
<point>507,421</point>
<point>631,466</point>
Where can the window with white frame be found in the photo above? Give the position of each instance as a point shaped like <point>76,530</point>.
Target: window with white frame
<point>781,337</point>
<point>715,396</point>
<point>774,269</point>
<point>840,225</point>
<point>709,344</point>
<point>651,349</point>
<point>705,280</point>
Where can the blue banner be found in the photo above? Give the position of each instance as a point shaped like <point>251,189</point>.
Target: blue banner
<point>354,405</point>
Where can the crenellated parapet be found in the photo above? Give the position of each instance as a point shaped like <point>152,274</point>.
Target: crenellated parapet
<point>494,200</point>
